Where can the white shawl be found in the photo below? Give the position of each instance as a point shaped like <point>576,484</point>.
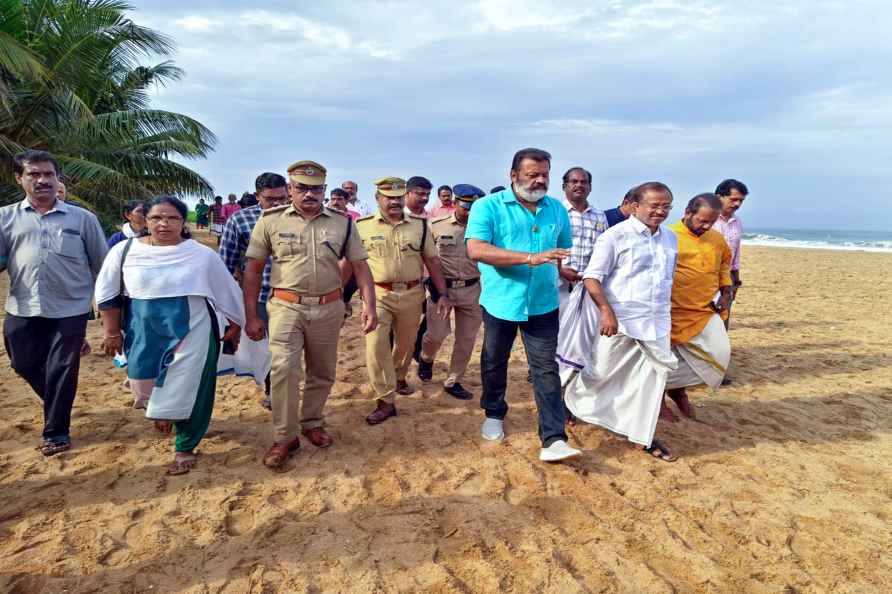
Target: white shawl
<point>154,272</point>
<point>128,231</point>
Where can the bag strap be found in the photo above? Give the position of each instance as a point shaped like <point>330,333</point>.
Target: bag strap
<point>123,259</point>
<point>346,237</point>
<point>423,234</point>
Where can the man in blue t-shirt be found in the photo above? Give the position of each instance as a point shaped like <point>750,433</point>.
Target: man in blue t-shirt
<point>518,237</point>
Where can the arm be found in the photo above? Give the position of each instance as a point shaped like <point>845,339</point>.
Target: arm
<point>607,324</point>
<point>725,281</point>
<point>254,326</point>
<point>481,251</point>
<point>95,244</point>
<point>568,274</point>
<point>229,248</point>
<point>367,289</point>
<point>436,273</point>
<point>346,270</point>
<point>113,340</point>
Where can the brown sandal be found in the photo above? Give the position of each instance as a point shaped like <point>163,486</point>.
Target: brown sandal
<point>659,450</point>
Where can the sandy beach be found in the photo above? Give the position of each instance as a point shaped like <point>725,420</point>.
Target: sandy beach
<point>783,483</point>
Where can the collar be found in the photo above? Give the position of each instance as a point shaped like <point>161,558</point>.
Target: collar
<point>507,196</point>
<point>731,220</point>
<point>290,209</point>
<point>569,206</point>
<point>380,217</point>
<point>58,206</point>
<point>641,228</point>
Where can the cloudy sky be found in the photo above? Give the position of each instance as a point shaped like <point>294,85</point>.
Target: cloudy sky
<point>793,98</point>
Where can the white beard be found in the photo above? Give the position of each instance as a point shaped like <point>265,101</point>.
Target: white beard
<point>529,196</point>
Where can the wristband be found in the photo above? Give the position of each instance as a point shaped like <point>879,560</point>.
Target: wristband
<point>530,259</point>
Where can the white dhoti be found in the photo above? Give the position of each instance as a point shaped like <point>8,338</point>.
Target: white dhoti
<point>703,359</point>
<point>621,387</point>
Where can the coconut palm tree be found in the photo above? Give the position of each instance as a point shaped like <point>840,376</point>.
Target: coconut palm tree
<point>72,82</point>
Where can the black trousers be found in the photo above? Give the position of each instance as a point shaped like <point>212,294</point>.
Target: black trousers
<point>46,352</point>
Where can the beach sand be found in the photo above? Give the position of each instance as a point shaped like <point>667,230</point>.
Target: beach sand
<point>783,483</point>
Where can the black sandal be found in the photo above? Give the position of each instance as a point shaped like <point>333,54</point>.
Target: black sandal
<point>52,447</point>
<point>659,450</point>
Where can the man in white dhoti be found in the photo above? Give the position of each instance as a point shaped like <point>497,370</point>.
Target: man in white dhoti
<point>629,277</point>
<point>699,339</point>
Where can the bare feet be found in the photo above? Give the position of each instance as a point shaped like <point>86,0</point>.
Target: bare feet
<point>164,427</point>
<point>680,397</point>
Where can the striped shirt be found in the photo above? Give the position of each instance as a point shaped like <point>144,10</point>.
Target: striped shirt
<point>586,226</point>
<point>234,243</point>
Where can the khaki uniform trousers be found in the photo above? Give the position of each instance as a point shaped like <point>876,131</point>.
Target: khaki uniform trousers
<point>299,331</point>
<point>399,311</point>
<point>468,317</point>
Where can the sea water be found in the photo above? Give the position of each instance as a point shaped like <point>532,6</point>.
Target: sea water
<point>868,241</point>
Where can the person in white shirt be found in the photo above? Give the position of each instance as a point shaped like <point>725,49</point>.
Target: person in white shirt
<point>587,224</point>
<point>629,278</point>
<point>353,203</point>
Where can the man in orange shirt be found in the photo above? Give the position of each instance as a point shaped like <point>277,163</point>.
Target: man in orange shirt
<point>701,295</point>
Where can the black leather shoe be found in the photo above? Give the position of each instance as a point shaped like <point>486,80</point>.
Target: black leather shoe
<point>457,391</point>
<point>425,370</point>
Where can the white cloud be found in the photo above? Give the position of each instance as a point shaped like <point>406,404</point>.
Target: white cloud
<point>198,24</point>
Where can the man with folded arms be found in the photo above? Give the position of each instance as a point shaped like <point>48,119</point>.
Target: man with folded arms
<point>518,236</point>
<point>629,278</point>
<point>703,270</point>
<point>399,247</point>
<point>305,243</point>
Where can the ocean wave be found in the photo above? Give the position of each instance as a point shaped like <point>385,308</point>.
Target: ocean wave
<point>763,239</point>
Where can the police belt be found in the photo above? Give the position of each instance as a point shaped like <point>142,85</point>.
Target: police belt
<point>458,283</point>
<point>399,286</point>
<point>294,297</point>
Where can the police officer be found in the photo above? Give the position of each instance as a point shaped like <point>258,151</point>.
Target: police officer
<point>306,243</point>
<point>399,246</point>
<point>463,289</point>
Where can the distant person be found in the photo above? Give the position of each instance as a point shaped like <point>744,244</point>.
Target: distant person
<point>229,209</point>
<point>518,237</point>
<point>62,194</point>
<point>216,216</point>
<point>621,212</point>
<point>353,203</point>
<point>702,270</point>
<point>52,252</point>
<point>446,206</point>
<point>586,222</point>
<point>418,194</point>
<point>497,189</point>
<point>134,214</point>
<point>271,193</point>
<point>629,278</point>
<point>732,193</point>
<point>463,289</point>
<point>338,201</point>
<point>164,292</point>
<point>201,214</point>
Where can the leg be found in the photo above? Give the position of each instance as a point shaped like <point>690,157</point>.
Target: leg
<point>378,359</point>
<point>422,328</point>
<point>286,344</point>
<point>321,352</point>
<point>467,323</point>
<point>263,313</point>
<point>498,337</point>
<point>436,332</point>
<point>27,356</point>
<point>405,330</point>
<point>680,397</point>
<point>539,336</point>
<point>190,431</point>
<point>62,368</point>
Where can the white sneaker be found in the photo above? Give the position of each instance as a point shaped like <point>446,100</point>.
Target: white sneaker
<point>558,450</point>
<point>493,430</point>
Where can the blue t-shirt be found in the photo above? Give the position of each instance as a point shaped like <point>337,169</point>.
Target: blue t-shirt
<point>614,216</point>
<point>517,292</point>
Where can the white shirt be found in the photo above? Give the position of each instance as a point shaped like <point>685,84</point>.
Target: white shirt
<point>636,268</point>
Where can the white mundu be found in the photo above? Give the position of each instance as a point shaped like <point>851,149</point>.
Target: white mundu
<point>621,385</point>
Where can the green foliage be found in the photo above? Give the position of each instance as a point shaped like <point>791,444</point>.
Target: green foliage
<point>71,83</point>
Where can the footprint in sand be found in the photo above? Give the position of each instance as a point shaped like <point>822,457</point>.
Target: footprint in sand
<point>239,519</point>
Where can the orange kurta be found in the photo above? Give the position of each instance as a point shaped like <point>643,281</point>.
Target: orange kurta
<point>703,265</point>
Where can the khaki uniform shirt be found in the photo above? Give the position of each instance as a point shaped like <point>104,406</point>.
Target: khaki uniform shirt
<point>449,235</point>
<point>395,251</point>
<point>305,252</point>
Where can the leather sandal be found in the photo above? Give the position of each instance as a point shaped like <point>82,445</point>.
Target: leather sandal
<point>279,452</point>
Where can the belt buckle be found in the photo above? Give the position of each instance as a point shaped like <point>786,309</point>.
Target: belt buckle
<point>399,286</point>
<point>459,283</point>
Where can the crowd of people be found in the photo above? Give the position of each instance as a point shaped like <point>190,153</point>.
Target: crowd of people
<point>618,313</point>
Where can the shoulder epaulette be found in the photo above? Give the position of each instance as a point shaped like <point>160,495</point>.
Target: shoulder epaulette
<point>416,217</point>
<point>365,218</point>
<point>333,211</point>
<point>275,210</point>
<point>443,218</point>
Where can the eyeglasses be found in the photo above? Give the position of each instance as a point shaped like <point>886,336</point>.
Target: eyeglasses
<point>315,190</point>
<point>155,219</point>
